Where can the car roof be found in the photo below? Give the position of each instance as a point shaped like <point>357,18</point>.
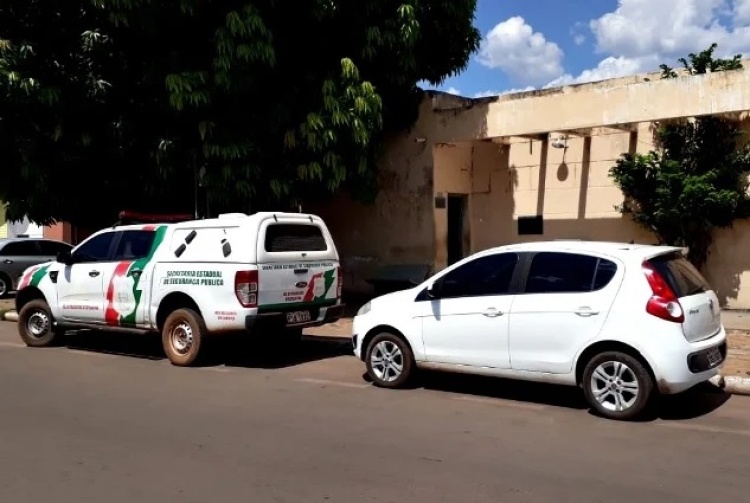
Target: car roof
<point>4,241</point>
<point>615,249</point>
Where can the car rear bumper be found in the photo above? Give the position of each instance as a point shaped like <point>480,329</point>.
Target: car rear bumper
<point>277,319</point>
<point>690,364</point>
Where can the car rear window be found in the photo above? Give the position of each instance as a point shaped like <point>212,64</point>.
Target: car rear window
<point>294,238</point>
<point>682,276</point>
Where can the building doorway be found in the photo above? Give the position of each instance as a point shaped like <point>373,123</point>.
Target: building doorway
<point>458,228</point>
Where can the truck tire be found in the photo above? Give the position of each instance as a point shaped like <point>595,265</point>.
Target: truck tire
<point>182,337</point>
<point>36,324</point>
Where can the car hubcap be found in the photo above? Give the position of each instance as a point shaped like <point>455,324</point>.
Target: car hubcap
<point>182,338</point>
<point>37,324</point>
<point>3,287</point>
<point>387,361</point>
<point>615,386</point>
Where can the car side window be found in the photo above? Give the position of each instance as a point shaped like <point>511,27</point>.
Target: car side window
<point>553,272</point>
<point>134,245</point>
<point>52,248</point>
<point>488,275</point>
<point>95,249</point>
<point>20,249</point>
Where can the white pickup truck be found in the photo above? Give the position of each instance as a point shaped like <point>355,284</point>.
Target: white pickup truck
<point>187,280</point>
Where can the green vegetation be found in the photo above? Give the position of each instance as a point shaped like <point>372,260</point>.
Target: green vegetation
<point>696,181</point>
<point>112,104</point>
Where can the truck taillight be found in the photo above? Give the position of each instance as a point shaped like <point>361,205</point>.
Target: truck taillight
<point>339,282</point>
<point>246,288</point>
<point>663,303</point>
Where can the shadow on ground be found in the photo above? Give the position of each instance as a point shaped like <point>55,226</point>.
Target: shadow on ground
<point>237,351</point>
<point>694,403</point>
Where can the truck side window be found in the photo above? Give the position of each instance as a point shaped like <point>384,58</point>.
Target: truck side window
<point>134,245</point>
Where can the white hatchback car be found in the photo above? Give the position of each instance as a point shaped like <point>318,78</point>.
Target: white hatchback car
<point>622,321</point>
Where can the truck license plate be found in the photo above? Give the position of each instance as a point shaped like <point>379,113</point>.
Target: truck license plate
<point>714,357</point>
<point>298,317</point>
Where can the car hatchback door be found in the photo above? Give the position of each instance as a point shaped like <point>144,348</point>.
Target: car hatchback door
<point>467,321</point>
<point>564,304</point>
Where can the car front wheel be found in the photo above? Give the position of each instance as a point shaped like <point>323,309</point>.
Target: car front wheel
<point>617,386</point>
<point>390,361</point>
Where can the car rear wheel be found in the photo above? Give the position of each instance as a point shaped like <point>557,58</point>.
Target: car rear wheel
<point>390,361</point>
<point>36,325</point>
<point>617,386</point>
<point>182,337</point>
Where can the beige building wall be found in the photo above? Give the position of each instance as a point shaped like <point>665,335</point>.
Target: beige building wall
<point>472,148</point>
<point>399,227</point>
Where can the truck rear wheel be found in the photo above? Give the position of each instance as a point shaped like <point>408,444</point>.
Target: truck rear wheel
<point>182,337</point>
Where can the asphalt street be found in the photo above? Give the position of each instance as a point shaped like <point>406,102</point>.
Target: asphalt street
<point>106,419</point>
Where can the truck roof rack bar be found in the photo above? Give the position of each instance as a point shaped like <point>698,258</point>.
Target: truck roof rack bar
<point>133,217</point>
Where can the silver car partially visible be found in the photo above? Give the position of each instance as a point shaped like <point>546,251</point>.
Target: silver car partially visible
<point>18,254</point>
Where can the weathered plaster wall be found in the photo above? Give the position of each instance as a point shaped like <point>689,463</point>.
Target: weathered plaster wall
<point>399,227</point>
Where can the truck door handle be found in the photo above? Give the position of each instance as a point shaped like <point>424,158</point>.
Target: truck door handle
<point>94,274</point>
<point>136,272</point>
<point>300,271</point>
<point>491,312</point>
<point>586,312</point>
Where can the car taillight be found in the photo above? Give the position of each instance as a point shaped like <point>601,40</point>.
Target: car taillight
<point>663,302</point>
<point>246,288</point>
<point>339,282</point>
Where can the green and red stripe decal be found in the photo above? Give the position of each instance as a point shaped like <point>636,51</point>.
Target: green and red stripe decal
<point>124,269</point>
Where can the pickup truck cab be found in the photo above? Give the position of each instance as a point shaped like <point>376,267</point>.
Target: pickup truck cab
<point>188,280</point>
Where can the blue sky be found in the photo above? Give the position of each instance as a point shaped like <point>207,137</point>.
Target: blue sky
<point>542,43</point>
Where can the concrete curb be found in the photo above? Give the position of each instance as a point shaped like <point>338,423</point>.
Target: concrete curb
<point>9,316</point>
<point>734,385</point>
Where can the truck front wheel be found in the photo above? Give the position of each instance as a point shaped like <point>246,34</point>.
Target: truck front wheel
<point>182,337</point>
<point>36,325</point>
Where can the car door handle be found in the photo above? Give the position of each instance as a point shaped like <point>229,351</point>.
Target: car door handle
<point>94,274</point>
<point>8,261</point>
<point>586,312</point>
<point>491,312</point>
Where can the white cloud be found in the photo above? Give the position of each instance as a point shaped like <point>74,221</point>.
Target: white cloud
<point>453,90</point>
<point>579,39</point>
<point>609,68</point>
<point>526,56</point>
<point>640,34</point>
<point>741,12</point>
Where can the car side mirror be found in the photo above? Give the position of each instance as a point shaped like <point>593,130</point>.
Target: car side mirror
<point>65,257</point>
<point>433,290</point>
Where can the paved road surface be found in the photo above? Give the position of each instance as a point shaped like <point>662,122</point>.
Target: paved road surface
<point>91,424</point>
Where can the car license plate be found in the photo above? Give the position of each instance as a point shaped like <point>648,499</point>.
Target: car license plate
<point>714,357</point>
<point>296,317</point>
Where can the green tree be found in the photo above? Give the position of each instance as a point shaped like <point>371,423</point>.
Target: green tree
<point>696,180</point>
<point>111,104</point>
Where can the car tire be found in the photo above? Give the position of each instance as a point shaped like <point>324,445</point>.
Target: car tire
<point>617,385</point>
<point>6,285</point>
<point>182,337</point>
<point>390,361</point>
<point>36,324</point>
